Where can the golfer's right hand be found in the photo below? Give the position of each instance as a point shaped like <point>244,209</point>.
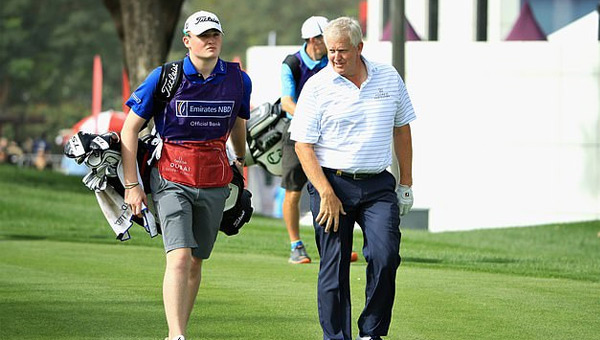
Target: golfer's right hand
<point>135,197</point>
<point>329,211</point>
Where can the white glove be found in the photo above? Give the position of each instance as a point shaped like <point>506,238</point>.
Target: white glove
<point>158,143</point>
<point>152,142</point>
<point>405,198</point>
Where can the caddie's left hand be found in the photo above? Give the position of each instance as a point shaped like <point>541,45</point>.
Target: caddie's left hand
<point>405,198</point>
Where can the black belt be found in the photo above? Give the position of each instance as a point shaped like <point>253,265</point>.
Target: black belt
<point>355,176</point>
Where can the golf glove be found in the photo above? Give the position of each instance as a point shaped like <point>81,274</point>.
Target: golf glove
<point>153,144</point>
<point>405,198</point>
<point>156,153</point>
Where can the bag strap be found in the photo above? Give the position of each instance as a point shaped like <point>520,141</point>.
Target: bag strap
<point>170,78</point>
<point>294,63</point>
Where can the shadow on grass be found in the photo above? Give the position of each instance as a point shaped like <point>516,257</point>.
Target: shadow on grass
<point>19,237</point>
<point>497,260</point>
<point>420,260</point>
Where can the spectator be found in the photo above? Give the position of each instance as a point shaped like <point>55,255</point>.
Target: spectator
<point>3,146</point>
<point>14,153</point>
<point>40,150</point>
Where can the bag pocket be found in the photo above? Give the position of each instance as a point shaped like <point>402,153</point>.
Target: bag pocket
<point>199,165</point>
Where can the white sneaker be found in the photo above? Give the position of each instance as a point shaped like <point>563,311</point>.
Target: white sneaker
<point>179,337</point>
<point>366,338</point>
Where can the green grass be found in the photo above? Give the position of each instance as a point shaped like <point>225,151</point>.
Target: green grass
<point>64,276</point>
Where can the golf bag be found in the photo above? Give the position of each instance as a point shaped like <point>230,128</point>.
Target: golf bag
<point>265,130</point>
<point>102,154</point>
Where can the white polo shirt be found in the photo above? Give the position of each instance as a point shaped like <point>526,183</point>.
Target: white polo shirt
<point>351,128</point>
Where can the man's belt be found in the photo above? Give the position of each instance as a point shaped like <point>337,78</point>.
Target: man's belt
<point>355,176</point>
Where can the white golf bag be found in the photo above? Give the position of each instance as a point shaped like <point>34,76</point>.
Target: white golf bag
<point>264,135</point>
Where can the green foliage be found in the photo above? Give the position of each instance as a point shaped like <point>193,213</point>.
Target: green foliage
<point>47,50</point>
<point>64,276</point>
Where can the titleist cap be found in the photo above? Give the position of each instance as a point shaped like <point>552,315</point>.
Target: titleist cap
<point>313,27</point>
<point>201,22</point>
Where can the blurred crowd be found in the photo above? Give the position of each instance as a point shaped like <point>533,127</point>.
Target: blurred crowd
<point>32,152</point>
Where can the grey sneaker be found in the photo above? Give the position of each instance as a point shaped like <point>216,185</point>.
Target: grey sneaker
<point>299,255</point>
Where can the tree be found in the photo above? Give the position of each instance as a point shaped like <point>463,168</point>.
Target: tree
<point>145,28</point>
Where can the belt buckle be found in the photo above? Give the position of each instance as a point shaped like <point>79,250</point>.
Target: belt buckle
<point>339,173</point>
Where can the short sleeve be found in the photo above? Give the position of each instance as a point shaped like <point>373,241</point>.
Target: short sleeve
<point>245,107</point>
<point>288,84</point>
<point>141,100</point>
<point>305,126</point>
<point>406,112</point>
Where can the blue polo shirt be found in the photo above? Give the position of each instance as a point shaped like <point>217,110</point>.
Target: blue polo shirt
<point>142,100</point>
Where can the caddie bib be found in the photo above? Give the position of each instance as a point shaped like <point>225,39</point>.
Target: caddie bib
<point>195,126</point>
<point>203,111</point>
<point>195,164</point>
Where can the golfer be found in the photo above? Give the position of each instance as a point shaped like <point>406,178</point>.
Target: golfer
<point>347,117</point>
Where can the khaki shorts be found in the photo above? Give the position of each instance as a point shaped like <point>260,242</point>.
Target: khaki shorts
<point>189,217</point>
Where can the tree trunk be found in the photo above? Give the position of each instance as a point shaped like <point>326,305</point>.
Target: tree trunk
<point>145,28</point>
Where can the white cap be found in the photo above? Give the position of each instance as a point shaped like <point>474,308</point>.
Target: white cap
<point>201,22</point>
<point>313,27</point>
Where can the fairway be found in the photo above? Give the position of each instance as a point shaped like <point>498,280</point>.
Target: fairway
<point>63,276</point>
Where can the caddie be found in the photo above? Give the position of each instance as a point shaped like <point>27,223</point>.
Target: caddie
<point>296,69</point>
<point>189,183</point>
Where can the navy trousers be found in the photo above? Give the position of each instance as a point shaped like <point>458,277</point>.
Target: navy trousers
<point>373,204</point>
